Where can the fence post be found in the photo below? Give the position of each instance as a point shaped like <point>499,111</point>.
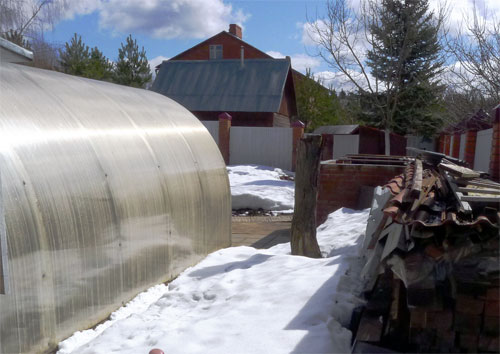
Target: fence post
<point>298,131</point>
<point>224,135</point>
<point>470,147</point>
<point>495,147</point>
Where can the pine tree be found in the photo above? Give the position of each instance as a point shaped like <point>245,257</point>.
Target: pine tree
<point>132,68</point>
<point>99,67</point>
<point>406,58</point>
<point>75,57</point>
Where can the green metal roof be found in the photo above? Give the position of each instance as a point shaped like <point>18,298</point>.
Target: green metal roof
<point>224,85</point>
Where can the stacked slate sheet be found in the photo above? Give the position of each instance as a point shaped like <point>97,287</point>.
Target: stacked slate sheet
<point>433,266</point>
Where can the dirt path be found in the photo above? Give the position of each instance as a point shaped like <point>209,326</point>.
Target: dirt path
<point>260,231</point>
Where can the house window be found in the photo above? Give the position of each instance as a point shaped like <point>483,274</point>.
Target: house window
<point>216,51</point>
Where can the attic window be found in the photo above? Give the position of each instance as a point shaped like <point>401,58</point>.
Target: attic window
<point>216,51</point>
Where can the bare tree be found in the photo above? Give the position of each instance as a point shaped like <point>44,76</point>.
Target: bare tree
<point>475,47</point>
<point>23,22</point>
<point>29,17</point>
<point>344,37</point>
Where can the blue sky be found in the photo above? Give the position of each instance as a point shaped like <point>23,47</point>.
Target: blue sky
<point>168,27</point>
<point>274,26</point>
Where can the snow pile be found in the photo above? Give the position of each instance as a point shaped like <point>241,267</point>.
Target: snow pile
<point>261,187</point>
<point>243,300</point>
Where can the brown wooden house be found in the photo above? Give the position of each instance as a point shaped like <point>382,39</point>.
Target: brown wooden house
<point>226,74</point>
<point>255,92</point>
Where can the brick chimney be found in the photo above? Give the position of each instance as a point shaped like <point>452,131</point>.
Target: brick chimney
<point>235,30</point>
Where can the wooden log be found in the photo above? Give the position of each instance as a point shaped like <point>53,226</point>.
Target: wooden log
<point>303,239</point>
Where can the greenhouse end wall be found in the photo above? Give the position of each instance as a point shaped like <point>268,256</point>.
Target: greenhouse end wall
<point>106,191</point>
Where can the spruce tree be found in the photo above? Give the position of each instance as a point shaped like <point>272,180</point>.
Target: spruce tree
<point>406,58</point>
<point>75,56</point>
<point>132,68</point>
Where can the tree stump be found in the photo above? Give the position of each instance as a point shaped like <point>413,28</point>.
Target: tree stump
<point>303,239</point>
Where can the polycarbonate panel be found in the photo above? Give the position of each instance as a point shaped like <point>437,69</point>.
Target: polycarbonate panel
<point>106,190</point>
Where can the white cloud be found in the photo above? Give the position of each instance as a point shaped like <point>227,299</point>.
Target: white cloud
<point>300,62</point>
<point>160,18</point>
<point>155,61</point>
<point>340,81</point>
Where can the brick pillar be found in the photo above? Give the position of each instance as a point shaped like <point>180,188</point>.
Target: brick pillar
<point>455,152</point>
<point>495,147</point>
<point>224,135</point>
<point>470,147</point>
<point>441,143</point>
<point>298,131</point>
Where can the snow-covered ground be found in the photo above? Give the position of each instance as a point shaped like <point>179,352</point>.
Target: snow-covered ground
<point>244,300</point>
<point>261,187</point>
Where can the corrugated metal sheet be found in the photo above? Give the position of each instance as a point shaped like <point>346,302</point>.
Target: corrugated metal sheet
<point>483,150</point>
<point>224,85</point>
<point>344,145</point>
<point>337,129</point>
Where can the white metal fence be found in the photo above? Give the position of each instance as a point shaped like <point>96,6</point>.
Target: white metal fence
<point>483,150</point>
<point>213,128</point>
<point>463,142</point>
<point>261,146</point>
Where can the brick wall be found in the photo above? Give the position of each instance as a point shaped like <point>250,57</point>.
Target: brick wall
<point>231,49</point>
<point>339,185</point>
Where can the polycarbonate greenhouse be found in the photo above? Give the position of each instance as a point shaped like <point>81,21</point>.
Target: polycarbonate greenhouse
<point>106,190</point>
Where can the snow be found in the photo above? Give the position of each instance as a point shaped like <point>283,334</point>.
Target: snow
<point>244,300</point>
<point>260,187</point>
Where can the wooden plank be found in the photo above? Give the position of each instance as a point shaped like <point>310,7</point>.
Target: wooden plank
<point>463,205</point>
<point>477,198</point>
<point>479,183</point>
<point>460,171</point>
<point>416,187</point>
<point>478,190</point>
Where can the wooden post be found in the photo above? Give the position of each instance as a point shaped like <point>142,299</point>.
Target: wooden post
<point>303,240</point>
<point>298,132</point>
<point>224,135</point>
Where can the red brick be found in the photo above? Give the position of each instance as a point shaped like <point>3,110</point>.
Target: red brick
<point>492,308</point>
<point>465,323</point>
<point>491,325</point>
<point>469,342</point>
<point>489,343</point>
<point>469,305</point>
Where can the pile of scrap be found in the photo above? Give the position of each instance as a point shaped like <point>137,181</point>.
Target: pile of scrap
<point>433,261</point>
